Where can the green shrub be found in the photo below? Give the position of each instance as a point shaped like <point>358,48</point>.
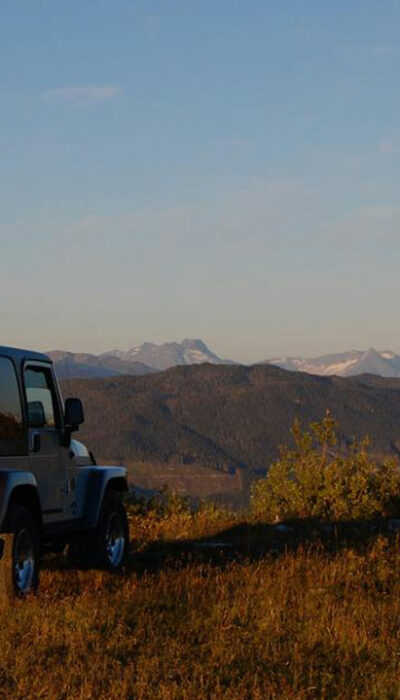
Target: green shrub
<point>314,481</point>
<point>163,503</point>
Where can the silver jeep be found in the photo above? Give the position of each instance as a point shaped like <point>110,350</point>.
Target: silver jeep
<point>52,493</point>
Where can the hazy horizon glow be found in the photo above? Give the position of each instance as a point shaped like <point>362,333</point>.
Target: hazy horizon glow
<point>212,170</point>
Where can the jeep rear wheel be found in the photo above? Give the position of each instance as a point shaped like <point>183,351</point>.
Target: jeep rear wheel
<point>19,564</point>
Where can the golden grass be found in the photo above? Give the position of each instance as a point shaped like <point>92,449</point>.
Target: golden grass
<point>304,623</point>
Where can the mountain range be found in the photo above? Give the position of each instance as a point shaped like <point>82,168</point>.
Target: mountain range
<point>151,357</point>
<point>143,359</point>
<point>71,365</point>
<point>346,364</point>
<point>189,352</point>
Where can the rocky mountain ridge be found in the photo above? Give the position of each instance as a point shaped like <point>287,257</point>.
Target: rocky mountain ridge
<point>142,359</point>
<point>148,358</point>
<point>347,364</point>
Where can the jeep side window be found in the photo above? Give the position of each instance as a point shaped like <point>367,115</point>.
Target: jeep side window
<point>11,427</point>
<point>42,405</point>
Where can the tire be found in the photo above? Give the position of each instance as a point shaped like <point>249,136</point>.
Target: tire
<point>107,545</point>
<point>19,565</point>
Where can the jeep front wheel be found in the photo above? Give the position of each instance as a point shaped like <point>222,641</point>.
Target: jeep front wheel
<point>112,533</point>
<point>106,546</point>
<point>19,563</point>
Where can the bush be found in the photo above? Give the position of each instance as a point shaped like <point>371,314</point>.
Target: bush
<point>312,481</point>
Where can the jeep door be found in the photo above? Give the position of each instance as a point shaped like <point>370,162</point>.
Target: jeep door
<point>47,454</point>
<point>13,442</point>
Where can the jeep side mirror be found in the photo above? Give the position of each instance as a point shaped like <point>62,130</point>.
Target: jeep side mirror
<point>73,415</point>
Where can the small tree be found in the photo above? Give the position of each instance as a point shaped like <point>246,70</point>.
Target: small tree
<point>312,481</point>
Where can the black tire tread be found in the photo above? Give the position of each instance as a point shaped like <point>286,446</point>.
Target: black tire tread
<point>112,501</point>
<point>17,515</point>
<point>87,549</point>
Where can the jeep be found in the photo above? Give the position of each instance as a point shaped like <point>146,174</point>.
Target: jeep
<point>53,495</point>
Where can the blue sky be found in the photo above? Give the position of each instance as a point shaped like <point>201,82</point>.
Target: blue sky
<point>200,168</point>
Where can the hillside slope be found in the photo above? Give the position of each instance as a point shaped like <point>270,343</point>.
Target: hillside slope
<point>209,421</point>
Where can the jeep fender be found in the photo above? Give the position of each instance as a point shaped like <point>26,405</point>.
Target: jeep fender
<point>21,484</point>
<point>99,479</point>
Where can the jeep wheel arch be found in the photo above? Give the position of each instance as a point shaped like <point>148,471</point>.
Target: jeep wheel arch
<point>19,487</point>
<point>99,481</point>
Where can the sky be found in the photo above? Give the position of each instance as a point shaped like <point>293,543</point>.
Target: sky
<point>200,168</point>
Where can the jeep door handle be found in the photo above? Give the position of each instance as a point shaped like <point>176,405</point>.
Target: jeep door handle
<point>35,445</point>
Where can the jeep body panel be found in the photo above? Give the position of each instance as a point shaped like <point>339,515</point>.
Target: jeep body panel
<point>92,484</point>
<point>80,453</point>
<point>10,480</point>
<point>20,355</point>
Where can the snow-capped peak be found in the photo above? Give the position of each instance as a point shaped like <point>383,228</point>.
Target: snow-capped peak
<point>371,361</point>
<point>161,356</point>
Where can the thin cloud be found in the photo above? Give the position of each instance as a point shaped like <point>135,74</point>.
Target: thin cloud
<point>371,224</point>
<point>384,50</point>
<point>88,94</point>
<point>236,143</point>
<point>389,145</point>
<point>249,217</point>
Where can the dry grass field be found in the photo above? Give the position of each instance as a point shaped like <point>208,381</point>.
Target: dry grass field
<point>264,614</point>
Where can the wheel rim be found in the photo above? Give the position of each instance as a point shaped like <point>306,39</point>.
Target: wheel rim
<point>115,539</point>
<point>24,561</point>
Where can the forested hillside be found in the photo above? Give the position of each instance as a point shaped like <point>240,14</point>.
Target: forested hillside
<point>213,429</point>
